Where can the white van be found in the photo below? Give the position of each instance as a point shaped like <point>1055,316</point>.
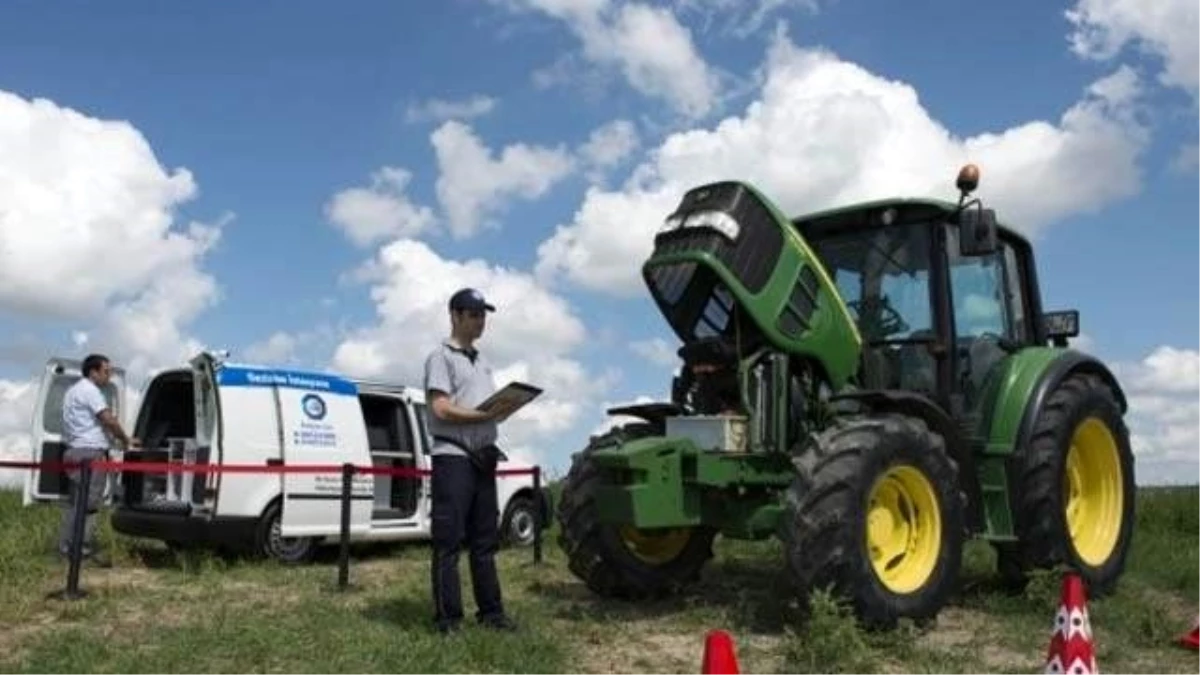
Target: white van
<point>211,412</point>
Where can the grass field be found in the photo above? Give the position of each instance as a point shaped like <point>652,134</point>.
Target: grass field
<point>157,611</point>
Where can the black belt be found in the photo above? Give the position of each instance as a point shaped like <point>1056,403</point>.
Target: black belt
<point>452,441</point>
<point>484,459</point>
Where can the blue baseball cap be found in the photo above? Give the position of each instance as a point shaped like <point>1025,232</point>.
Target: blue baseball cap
<point>468,299</point>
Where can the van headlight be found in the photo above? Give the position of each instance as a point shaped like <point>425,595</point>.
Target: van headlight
<point>712,220</point>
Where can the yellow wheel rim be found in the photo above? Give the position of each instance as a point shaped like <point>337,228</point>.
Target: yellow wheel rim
<point>656,547</point>
<point>904,529</point>
<point>1093,492</point>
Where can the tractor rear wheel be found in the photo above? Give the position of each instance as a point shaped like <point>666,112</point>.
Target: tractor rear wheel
<point>623,561</point>
<point>875,513</point>
<point>1076,488</point>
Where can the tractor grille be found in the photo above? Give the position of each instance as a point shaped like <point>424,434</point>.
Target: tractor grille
<point>753,257</point>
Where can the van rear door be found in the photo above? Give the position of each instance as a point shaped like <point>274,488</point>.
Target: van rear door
<point>322,425</point>
<point>47,447</point>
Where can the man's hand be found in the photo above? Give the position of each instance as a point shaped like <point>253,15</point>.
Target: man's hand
<point>503,412</point>
<point>133,444</point>
<point>441,406</point>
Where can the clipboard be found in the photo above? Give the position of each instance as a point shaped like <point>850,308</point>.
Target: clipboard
<point>514,395</point>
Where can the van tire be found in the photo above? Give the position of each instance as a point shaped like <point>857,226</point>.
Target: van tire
<point>520,522</point>
<point>268,543</point>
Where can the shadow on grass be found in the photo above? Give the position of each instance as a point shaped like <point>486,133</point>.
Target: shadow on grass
<point>752,595</point>
<point>408,613</point>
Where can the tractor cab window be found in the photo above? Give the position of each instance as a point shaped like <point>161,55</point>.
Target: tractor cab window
<point>883,275</point>
<point>988,311</point>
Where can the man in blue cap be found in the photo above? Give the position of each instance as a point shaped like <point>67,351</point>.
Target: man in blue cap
<point>465,510</point>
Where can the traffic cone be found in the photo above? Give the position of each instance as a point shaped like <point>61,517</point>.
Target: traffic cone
<point>719,656</point>
<point>1071,649</point>
<point>1191,639</point>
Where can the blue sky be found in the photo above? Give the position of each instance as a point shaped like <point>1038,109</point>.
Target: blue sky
<point>311,123</point>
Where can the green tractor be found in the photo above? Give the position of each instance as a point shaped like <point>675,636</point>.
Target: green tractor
<point>872,384</point>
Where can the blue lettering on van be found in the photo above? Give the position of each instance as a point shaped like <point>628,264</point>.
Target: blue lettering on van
<point>251,377</point>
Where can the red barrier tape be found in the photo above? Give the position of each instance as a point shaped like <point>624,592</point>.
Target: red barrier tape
<point>165,467</point>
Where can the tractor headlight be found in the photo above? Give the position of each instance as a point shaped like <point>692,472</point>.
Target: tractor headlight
<point>671,223</point>
<point>715,220</point>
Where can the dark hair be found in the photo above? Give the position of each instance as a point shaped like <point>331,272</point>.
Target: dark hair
<point>93,362</point>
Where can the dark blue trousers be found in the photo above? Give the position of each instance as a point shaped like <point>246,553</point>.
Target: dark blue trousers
<point>465,514</point>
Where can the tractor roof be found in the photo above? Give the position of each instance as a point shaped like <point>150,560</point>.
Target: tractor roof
<point>860,214</point>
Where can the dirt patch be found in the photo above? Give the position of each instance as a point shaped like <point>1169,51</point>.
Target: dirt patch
<point>643,652</point>
<point>956,627</point>
<point>649,647</point>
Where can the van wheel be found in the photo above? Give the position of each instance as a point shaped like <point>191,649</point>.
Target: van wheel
<point>270,544</point>
<point>520,522</point>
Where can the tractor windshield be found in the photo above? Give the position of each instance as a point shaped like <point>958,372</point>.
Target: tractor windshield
<point>883,275</point>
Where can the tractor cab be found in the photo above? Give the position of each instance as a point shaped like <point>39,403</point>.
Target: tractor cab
<point>940,293</point>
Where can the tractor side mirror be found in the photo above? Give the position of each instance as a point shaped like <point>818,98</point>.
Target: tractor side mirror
<point>977,232</point>
<point>1061,325</point>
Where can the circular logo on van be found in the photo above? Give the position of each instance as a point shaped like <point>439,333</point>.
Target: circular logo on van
<point>313,406</point>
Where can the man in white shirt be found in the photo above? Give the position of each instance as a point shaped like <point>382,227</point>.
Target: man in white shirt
<point>89,426</point>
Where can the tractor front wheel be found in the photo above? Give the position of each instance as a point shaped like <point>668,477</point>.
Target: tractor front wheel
<point>875,514</point>
<point>1076,488</point>
<point>623,561</point>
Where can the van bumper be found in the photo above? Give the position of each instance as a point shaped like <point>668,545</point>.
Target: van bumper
<point>236,532</point>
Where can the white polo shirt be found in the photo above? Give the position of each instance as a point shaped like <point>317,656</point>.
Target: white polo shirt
<point>81,404</point>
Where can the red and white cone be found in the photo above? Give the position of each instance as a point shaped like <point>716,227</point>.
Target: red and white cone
<point>1191,639</point>
<point>719,655</point>
<point>1071,649</point>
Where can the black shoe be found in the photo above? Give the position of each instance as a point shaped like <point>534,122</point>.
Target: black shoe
<point>448,627</point>
<point>501,623</point>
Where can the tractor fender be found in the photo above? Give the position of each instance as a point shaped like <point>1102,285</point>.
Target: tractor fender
<point>1069,363</point>
<point>957,444</point>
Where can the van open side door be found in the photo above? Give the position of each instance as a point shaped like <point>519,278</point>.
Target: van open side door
<point>46,441</point>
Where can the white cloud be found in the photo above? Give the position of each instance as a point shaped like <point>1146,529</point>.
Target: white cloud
<point>742,18</point>
<point>89,236</point>
<point>1166,29</point>
<point>279,348</point>
<point>16,411</point>
<point>651,48</point>
<point>530,337</point>
<point>381,211</point>
<point>825,131</point>
<point>75,190</point>
<point>609,145</point>
<point>437,109</point>
<point>657,351</point>
<point>473,185</point>
<point>1187,160</point>
<point>1163,391</point>
<point>1167,370</point>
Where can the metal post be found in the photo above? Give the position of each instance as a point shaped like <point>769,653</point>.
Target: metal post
<point>538,522</point>
<point>344,556</point>
<point>72,591</point>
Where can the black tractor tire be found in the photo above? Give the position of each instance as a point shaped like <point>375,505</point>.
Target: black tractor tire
<point>832,507</point>
<point>1081,412</point>
<point>597,553</point>
<point>268,544</point>
<point>520,522</point>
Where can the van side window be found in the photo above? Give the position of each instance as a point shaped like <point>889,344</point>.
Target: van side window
<point>388,428</point>
<point>421,410</point>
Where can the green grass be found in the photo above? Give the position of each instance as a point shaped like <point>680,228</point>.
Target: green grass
<point>162,612</point>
